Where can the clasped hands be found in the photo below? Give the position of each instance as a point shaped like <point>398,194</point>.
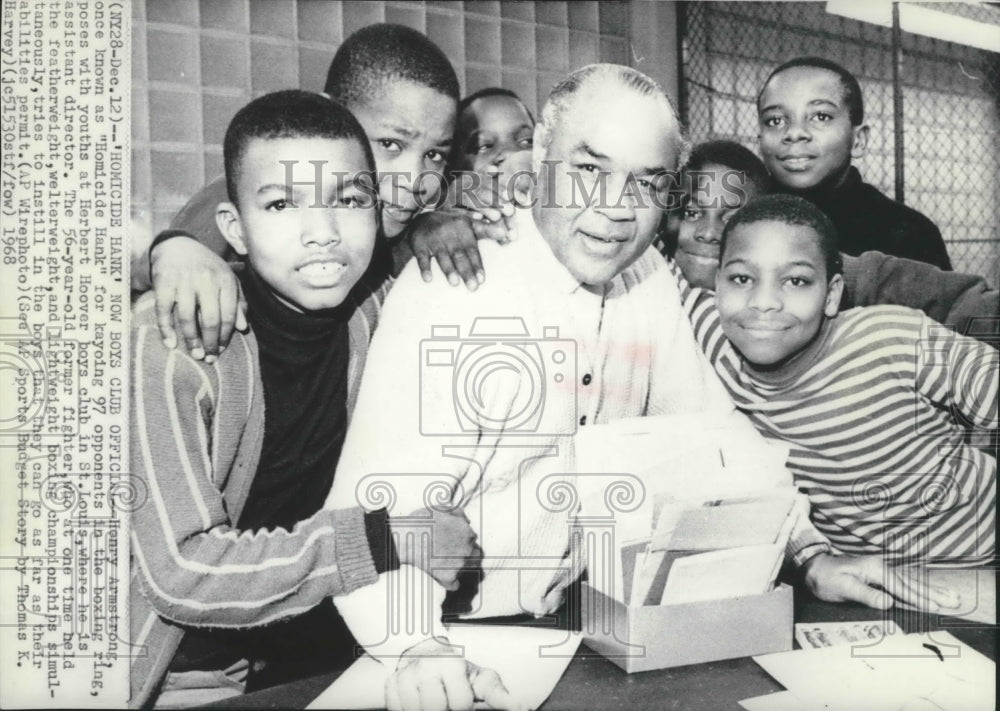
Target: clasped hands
<point>433,675</point>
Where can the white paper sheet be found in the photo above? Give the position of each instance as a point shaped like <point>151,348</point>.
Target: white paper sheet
<point>732,524</point>
<point>733,572</point>
<point>908,672</point>
<point>778,701</point>
<point>976,589</point>
<point>530,662</point>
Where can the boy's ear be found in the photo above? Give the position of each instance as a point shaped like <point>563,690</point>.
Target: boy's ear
<point>834,291</point>
<point>860,143</point>
<point>227,217</point>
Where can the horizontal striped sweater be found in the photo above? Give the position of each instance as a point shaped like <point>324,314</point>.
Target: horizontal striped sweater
<point>873,425</point>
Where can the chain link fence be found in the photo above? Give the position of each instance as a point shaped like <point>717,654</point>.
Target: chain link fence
<point>951,105</point>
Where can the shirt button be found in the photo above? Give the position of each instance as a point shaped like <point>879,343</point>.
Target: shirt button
<point>587,379</point>
<point>583,420</point>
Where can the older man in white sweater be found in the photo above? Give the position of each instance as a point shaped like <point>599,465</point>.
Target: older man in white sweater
<point>580,323</point>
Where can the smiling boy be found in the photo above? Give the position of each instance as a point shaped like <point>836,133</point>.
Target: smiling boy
<point>868,399</point>
<point>811,126</point>
<point>718,179</point>
<point>403,91</point>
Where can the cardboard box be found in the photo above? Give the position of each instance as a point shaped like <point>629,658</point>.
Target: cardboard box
<point>660,636</point>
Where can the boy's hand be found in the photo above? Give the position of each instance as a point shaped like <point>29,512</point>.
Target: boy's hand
<point>486,198</point>
<point>870,581</point>
<point>476,207</point>
<point>449,238</point>
<point>450,546</point>
<point>434,676</point>
<point>492,195</point>
<point>197,288</point>
<point>140,237</point>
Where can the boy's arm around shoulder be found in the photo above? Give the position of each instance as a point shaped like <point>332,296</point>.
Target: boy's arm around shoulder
<point>196,220</point>
<point>963,301</point>
<point>195,287</point>
<point>683,371</point>
<point>958,373</point>
<point>191,425</point>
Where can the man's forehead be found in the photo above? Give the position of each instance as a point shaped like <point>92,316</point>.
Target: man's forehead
<point>621,124</point>
<point>609,90</point>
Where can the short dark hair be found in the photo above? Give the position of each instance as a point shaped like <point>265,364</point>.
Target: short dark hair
<point>723,153</point>
<point>730,154</point>
<point>385,52</point>
<point>492,91</point>
<point>792,210</point>
<point>288,114</point>
<point>852,90</point>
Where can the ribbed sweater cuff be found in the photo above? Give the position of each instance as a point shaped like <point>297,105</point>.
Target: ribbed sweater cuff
<point>380,541</point>
<point>805,541</point>
<point>805,554</point>
<point>354,554</point>
<point>162,237</point>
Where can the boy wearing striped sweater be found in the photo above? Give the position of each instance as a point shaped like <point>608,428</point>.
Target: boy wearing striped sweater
<point>867,398</point>
<point>238,455</point>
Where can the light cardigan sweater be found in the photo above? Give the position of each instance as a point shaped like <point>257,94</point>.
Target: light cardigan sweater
<point>625,352</point>
<point>197,431</point>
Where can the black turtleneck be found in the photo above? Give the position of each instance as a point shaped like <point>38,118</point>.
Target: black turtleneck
<point>867,220</point>
<point>303,363</point>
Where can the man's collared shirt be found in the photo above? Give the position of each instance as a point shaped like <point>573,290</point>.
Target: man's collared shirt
<point>484,390</point>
